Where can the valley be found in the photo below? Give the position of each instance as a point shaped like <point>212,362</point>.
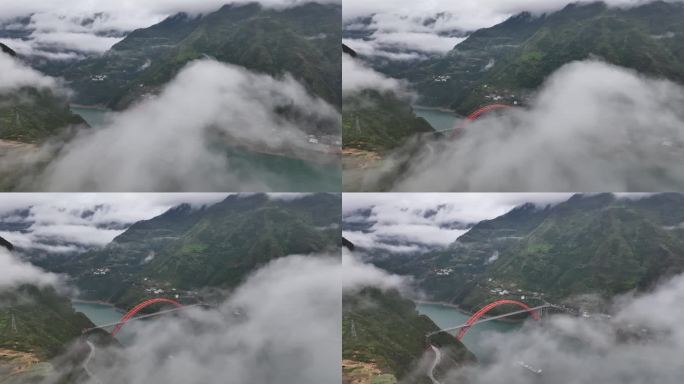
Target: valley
<point>200,258</point>
<point>296,45</point>
<point>573,259</point>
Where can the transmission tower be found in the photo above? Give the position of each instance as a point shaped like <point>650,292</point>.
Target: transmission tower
<point>13,322</point>
<point>353,329</point>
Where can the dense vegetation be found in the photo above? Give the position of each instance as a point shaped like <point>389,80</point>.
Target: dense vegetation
<point>389,333</point>
<point>187,249</point>
<point>508,61</point>
<point>44,322</point>
<point>302,40</point>
<point>593,244</point>
<point>30,115</point>
<point>376,121</point>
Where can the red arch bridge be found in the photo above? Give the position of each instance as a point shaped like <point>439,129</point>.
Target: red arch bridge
<point>535,312</point>
<point>130,315</point>
<point>476,115</point>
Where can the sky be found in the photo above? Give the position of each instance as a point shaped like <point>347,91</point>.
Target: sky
<point>416,28</point>
<point>61,23</point>
<point>82,220</point>
<point>428,220</point>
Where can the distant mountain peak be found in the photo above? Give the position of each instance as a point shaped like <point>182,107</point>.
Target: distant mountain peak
<point>7,50</point>
<point>6,244</point>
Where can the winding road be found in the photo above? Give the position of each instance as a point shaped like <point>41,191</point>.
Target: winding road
<point>435,363</point>
<point>87,361</point>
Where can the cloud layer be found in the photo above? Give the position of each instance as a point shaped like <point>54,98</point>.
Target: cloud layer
<point>72,29</point>
<point>592,127</point>
<point>356,76</point>
<point>178,140</point>
<point>14,75</point>
<point>14,272</point>
<point>62,223</point>
<point>636,345</point>
<point>282,325</point>
<point>422,28</point>
<point>406,222</point>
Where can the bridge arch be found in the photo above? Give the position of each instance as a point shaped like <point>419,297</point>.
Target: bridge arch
<point>476,316</point>
<point>139,307</point>
<point>476,115</point>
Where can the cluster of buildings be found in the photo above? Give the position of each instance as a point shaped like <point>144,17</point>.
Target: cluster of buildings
<point>500,289</point>
<point>172,292</point>
<point>441,78</point>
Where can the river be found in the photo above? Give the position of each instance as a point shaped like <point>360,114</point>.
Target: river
<point>101,314</point>
<point>446,317</point>
<point>95,117</point>
<point>279,173</point>
<point>439,119</point>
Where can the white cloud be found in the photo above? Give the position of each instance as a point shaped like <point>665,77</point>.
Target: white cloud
<point>411,222</point>
<point>173,141</point>
<point>455,207</point>
<point>14,272</point>
<point>424,42</point>
<point>356,76</point>
<point>636,345</point>
<point>282,325</point>
<point>60,223</point>
<point>428,26</point>
<point>357,275</point>
<point>82,42</point>
<point>14,75</point>
<point>94,26</point>
<point>592,127</point>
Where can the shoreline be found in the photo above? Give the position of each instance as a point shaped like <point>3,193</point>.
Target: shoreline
<point>464,312</point>
<point>97,302</point>
<point>92,107</point>
<point>319,158</point>
<point>444,304</point>
<point>439,109</point>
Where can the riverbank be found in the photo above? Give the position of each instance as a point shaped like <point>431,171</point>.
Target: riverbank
<point>100,108</point>
<point>326,155</point>
<point>98,302</point>
<point>438,109</point>
<point>465,312</point>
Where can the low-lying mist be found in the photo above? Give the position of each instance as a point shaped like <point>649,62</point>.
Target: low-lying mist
<point>591,127</point>
<point>15,272</point>
<point>179,139</point>
<point>282,325</point>
<point>642,342</point>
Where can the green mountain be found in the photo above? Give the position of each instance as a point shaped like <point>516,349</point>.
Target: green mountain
<point>384,337</point>
<point>187,249</point>
<point>377,122</point>
<point>38,321</point>
<point>593,244</point>
<point>302,40</point>
<point>30,115</point>
<point>508,61</point>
